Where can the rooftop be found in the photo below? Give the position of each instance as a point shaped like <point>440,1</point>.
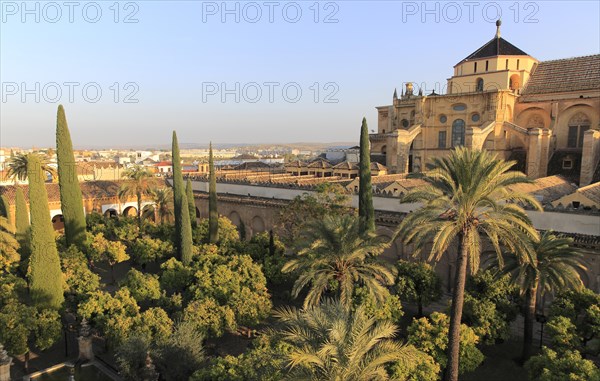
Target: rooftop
<point>547,189</point>
<point>565,75</point>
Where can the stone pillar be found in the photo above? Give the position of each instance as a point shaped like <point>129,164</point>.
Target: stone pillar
<point>534,149</point>
<point>5,363</point>
<point>544,152</point>
<point>403,153</point>
<point>590,156</point>
<point>86,349</point>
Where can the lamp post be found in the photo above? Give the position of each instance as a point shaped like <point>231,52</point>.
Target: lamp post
<point>542,319</point>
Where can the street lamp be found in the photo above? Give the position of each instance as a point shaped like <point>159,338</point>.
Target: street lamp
<point>542,319</point>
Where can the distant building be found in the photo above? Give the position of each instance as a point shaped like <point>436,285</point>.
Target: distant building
<point>544,115</point>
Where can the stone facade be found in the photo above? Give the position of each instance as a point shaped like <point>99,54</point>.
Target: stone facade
<point>545,115</point>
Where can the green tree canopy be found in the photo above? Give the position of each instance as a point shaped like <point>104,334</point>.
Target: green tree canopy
<point>430,335</point>
<point>333,250</point>
<point>552,366</point>
<point>417,282</point>
<point>331,343</point>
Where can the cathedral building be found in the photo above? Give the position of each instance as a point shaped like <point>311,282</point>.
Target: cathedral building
<point>545,115</point>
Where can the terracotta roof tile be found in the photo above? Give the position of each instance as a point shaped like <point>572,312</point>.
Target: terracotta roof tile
<point>564,75</point>
<point>591,191</point>
<point>89,190</point>
<point>547,189</point>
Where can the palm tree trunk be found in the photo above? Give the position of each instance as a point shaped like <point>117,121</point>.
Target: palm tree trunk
<point>139,211</point>
<point>456,309</point>
<point>530,302</point>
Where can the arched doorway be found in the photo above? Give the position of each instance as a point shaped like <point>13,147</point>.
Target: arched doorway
<point>130,211</point>
<point>111,213</point>
<point>58,222</point>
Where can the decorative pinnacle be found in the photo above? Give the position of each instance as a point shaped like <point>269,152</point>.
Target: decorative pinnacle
<point>498,23</point>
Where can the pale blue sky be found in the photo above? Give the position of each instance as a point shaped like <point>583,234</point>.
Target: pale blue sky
<point>178,48</point>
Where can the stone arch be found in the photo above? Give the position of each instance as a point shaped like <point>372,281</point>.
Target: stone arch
<point>58,222</point>
<point>533,117</point>
<point>130,211</point>
<point>574,118</point>
<point>235,218</point>
<point>257,225</point>
<point>514,82</point>
<point>479,84</point>
<point>111,213</point>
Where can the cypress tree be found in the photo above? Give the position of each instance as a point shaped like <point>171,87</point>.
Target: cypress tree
<point>191,203</point>
<point>45,274</point>
<point>366,212</point>
<point>5,209</point>
<point>213,215</point>
<point>183,227</point>
<point>71,200</point>
<point>271,243</point>
<point>21,219</point>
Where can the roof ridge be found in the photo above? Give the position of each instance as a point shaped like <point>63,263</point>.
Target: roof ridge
<point>589,186</point>
<point>571,58</point>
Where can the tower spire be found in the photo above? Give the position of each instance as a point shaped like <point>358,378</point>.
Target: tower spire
<point>498,23</point>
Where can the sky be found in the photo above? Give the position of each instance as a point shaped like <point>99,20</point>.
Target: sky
<point>130,72</point>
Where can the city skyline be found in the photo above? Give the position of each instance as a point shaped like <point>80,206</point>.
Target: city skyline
<point>180,74</point>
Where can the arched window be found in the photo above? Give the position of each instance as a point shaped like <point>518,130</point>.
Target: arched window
<point>458,133</point>
<point>479,86</point>
<point>384,150</point>
<point>578,125</point>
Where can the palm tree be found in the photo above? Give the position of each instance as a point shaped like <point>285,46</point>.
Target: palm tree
<point>467,197</point>
<point>163,203</point>
<point>9,246</point>
<point>141,182</point>
<point>332,343</point>
<point>333,250</point>
<point>17,166</point>
<point>555,267</point>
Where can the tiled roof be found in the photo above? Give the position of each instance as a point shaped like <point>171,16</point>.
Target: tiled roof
<point>245,156</point>
<point>570,74</point>
<point>591,191</point>
<point>547,189</point>
<point>378,166</point>
<point>346,165</point>
<point>320,164</point>
<point>295,164</point>
<point>89,190</point>
<point>497,46</point>
<point>252,165</point>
